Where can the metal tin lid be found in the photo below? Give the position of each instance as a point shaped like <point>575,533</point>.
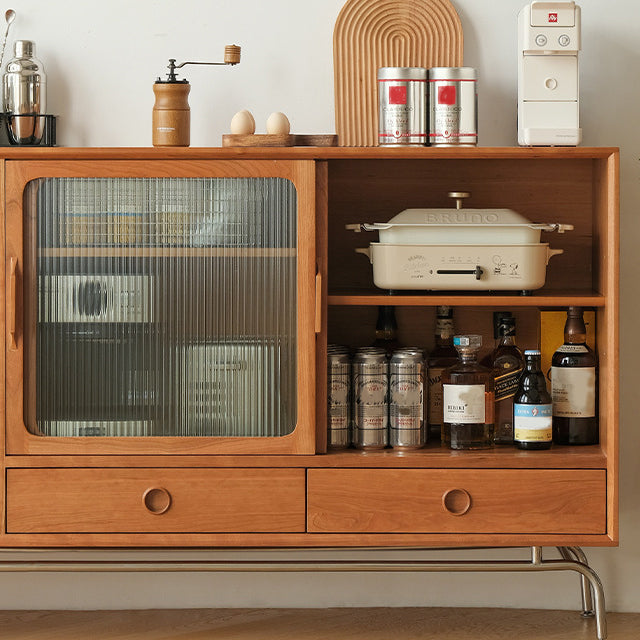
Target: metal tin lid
<point>370,355</point>
<point>532,352</point>
<point>407,354</point>
<point>402,73</point>
<point>453,73</point>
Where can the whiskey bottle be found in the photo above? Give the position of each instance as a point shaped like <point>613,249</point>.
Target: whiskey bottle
<point>508,363</point>
<point>443,355</point>
<point>532,411</point>
<point>386,330</point>
<point>573,385</point>
<point>468,398</point>
<point>498,316</point>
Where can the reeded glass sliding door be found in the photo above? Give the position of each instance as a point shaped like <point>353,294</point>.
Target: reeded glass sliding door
<point>161,307</point>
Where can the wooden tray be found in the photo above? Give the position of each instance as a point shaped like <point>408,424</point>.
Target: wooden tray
<point>370,34</point>
<point>279,140</point>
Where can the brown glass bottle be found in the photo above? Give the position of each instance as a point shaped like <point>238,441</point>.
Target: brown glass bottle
<point>532,410</point>
<point>573,385</point>
<point>507,362</point>
<point>386,329</point>
<point>468,398</point>
<point>443,355</point>
<point>498,316</point>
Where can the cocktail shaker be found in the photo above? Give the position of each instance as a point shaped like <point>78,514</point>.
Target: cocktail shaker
<point>25,94</point>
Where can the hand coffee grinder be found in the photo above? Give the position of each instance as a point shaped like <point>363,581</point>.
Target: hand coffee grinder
<point>171,118</point>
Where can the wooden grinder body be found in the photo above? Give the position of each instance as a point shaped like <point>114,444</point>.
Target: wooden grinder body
<point>171,115</point>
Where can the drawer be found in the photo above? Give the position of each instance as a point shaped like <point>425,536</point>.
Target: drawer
<point>456,501</point>
<point>155,500</point>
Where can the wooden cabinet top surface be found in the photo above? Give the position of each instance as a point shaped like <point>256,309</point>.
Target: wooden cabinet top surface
<point>304,153</point>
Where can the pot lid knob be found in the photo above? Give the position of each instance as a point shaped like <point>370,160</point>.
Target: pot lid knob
<point>459,196</point>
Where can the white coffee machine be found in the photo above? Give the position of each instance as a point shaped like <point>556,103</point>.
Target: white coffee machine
<point>548,90</point>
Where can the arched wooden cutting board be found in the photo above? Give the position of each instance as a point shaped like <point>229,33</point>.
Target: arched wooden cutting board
<point>370,34</point>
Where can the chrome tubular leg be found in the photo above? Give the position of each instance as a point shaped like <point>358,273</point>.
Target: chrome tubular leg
<point>573,559</point>
<point>598,595</point>
<point>570,553</point>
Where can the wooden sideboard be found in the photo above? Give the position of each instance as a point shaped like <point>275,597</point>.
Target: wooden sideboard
<point>289,491</point>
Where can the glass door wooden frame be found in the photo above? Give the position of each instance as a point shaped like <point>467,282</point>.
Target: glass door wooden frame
<point>19,441</point>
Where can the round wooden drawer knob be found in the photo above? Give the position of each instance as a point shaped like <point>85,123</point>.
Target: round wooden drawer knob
<point>157,500</point>
<point>456,502</point>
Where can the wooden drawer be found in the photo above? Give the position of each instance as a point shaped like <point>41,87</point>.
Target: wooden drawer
<point>155,500</point>
<point>456,501</point>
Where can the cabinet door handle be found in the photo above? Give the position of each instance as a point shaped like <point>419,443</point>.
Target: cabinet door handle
<point>318,302</point>
<point>456,501</point>
<point>156,500</point>
<point>13,293</point>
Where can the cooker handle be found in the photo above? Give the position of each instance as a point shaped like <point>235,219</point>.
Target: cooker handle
<point>365,252</point>
<point>367,226</point>
<point>560,228</point>
<point>553,252</point>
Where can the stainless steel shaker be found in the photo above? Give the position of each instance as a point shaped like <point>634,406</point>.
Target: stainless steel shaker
<point>25,94</point>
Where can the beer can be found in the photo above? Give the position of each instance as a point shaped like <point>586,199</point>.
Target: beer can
<point>338,397</point>
<point>402,106</point>
<point>407,423</point>
<point>453,107</point>
<point>370,399</point>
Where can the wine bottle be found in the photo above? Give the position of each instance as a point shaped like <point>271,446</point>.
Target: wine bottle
<point>573,385</point>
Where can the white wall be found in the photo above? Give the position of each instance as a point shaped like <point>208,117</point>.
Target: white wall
<point>102,58</point>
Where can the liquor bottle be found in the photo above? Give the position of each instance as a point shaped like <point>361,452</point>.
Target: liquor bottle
<point>532,410</point>
<point>443,355</point>
<point>573,385</point>
<point>468,398</point>
<point>507,363</point>
<point>386,330</point>
<point>487,360</point>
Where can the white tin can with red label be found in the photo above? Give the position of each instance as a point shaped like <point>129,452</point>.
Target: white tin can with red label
<point>402,106</point>
<point>453,107</point>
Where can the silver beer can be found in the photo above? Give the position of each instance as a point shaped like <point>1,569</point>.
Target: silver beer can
<point>407,423</point>
<point>338,397</point>
<point>402,106</point>
<point>370,399</point>
<point>453,107</point>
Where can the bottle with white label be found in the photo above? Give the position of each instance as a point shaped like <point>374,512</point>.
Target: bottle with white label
<point>573,385</point>
<point>532,410</point>
<point>468,398</point>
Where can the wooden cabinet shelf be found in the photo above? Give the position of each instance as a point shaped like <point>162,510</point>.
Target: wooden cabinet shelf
<point>431,299</point>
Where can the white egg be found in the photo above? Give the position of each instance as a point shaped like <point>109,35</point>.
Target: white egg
<point>278,123</point>
<point>243,123</point>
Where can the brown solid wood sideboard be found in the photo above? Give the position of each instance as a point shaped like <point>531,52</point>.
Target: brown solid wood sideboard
<point>108,437</point>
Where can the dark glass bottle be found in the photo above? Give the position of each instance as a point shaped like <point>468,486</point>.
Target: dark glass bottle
<point>573,385</point>
<point>507,362</point>
<point>532,411</point>
<point>498,316</point>
<point>468,398</point>
<point>387,329</point>
<point>443,355</point>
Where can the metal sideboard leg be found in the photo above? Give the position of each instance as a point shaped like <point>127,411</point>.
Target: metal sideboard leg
<point>573,559</point>
<point>571,553</point>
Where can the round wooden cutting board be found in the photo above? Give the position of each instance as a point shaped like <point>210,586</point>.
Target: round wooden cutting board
<point>370,34</point>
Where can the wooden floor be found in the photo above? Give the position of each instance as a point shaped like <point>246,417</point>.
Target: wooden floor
<point>313,624</point>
